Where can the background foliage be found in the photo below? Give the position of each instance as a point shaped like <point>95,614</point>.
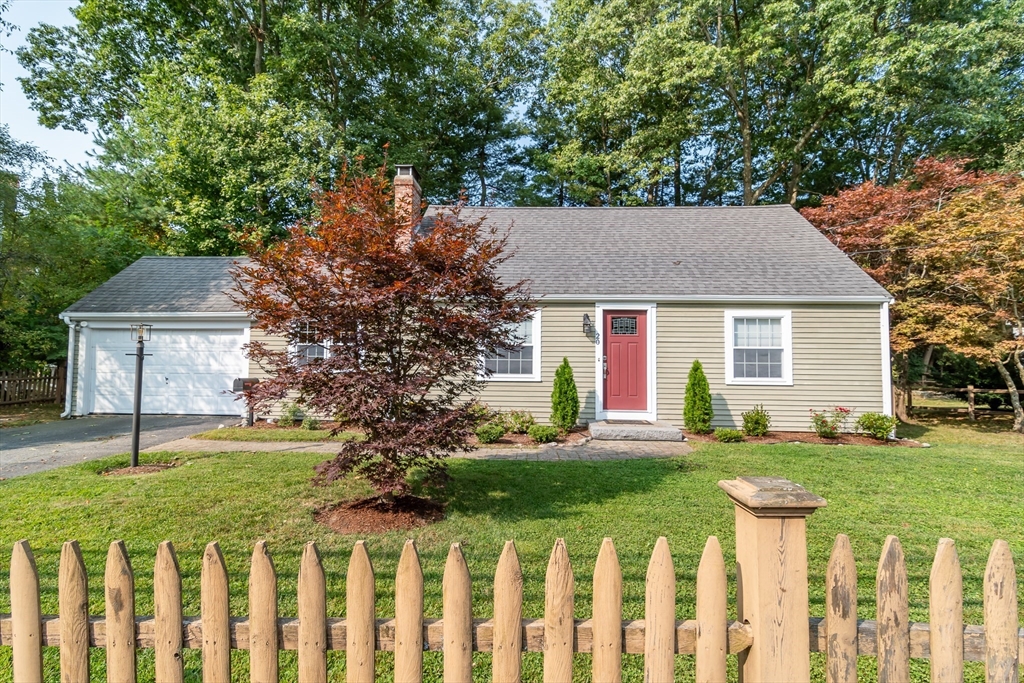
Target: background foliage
<point>217,116</point>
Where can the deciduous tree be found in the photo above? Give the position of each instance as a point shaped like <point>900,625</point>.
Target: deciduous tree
<point>862,219</point>
<point>403,323</point>
<point>964,287</point>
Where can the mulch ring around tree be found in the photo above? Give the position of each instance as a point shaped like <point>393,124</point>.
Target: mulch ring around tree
<point>811,437</point>
<point>377,515</point>
<point>152,468</point>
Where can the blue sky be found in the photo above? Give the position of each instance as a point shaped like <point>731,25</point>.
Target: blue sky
<point>61,145</point>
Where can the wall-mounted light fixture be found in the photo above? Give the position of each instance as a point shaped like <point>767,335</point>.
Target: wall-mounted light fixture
<point>588,326</point>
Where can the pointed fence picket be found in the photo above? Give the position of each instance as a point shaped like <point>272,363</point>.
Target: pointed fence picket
<point>559,635</point>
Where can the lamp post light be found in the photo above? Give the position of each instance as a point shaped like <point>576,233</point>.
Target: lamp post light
<point>141,334</point>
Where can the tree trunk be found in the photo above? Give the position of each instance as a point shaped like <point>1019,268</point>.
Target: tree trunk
<point>1018,412</point>
<point>794,182</point>
<point>261,36</point>
<point>678,188</point>
<point>927,372</point>
<point>903,400</point>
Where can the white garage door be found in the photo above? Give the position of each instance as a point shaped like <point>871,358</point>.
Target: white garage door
<point>189,372</point>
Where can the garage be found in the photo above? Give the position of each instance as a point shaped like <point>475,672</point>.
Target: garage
<point>189,372</point>
<point>196,347</point>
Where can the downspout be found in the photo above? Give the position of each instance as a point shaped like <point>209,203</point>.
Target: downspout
<point>71,367</point>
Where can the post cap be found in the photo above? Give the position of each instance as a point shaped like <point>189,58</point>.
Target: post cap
<point>772,496</point>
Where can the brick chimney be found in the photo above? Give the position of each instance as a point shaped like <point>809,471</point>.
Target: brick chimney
<point>408,197</point>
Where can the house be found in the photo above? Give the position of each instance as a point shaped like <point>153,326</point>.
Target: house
<point>631,296</point>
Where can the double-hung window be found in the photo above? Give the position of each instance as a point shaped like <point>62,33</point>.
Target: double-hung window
<point>759,347</point>
<point>521,363</point>
<point>309,345</point>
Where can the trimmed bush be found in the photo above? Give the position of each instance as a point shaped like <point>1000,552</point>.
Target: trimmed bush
<point>565,401</point>
<point>756,421</point>
<point>490,432</point>
<point>697,412</point>
<point>480,413</point>
<point>309,422</point>
<point>290,413</point>
<point>543,433</point>
<point>518,421</point>
<point>877,425</point>
<point>728,435</point>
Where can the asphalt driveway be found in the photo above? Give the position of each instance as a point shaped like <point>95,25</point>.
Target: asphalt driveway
<point>24,450</point>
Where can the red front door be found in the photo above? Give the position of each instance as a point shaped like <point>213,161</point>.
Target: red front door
<point>625,360</point>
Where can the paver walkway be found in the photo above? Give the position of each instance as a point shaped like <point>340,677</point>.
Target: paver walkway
<point>593,450</point>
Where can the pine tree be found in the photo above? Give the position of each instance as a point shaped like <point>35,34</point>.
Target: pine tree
<point>565,401</point>
<point>697,412</point>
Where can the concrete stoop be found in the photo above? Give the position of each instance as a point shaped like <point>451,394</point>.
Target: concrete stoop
<point>634,430</point>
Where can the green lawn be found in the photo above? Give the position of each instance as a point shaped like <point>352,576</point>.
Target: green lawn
<point>969,487</point>
<point>297,434</point>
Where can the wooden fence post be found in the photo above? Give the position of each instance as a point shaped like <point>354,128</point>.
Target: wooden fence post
<point>73,597</point>
<point>970,401</point>
<point>26,616</point>
<point>508,615</point>
<point>771,576</point>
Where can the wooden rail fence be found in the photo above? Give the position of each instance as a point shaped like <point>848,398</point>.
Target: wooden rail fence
<point>40,386</point>
<point>772,638</point>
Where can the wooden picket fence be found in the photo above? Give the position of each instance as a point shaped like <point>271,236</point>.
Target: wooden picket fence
<point>40,386</point>
<point>773,636</point>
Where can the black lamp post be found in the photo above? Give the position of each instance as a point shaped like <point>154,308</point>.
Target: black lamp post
<point>141,334</point>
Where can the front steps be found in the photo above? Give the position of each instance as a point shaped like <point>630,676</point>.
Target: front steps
<point>634,430</point>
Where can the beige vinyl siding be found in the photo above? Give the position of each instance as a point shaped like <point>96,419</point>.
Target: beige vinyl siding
<point>837,360</point>
<point>274,343</point>
<point>561,336</point>
<point>561,332</point>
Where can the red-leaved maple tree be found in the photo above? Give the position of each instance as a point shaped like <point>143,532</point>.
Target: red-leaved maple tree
<point>859,219</point>
<point>402,325</point>
<point>964,287</point>
<point>944,242</point>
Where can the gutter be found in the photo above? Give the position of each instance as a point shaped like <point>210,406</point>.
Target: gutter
<point>719,299</point>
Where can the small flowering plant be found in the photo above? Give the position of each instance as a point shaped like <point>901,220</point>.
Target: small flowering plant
<point>829,423</point>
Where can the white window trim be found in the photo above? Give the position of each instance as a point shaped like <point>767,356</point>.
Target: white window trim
<point>536,375</point>
<point>651,309</point>
<point>787,347</point>
<point>293,348</point>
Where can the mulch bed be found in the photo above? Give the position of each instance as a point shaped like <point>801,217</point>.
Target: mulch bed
<point>141,469</point>
<point>574,437</point>
<point>811,437</point>
<point>377,515</point>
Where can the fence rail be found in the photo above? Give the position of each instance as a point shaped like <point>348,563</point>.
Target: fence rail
<point>41,386</point>
<point>772,637</point>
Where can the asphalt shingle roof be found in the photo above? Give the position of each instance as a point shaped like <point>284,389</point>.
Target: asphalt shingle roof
<point>733,252</point>
<point>678,252</point>
<point>165,284</point>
